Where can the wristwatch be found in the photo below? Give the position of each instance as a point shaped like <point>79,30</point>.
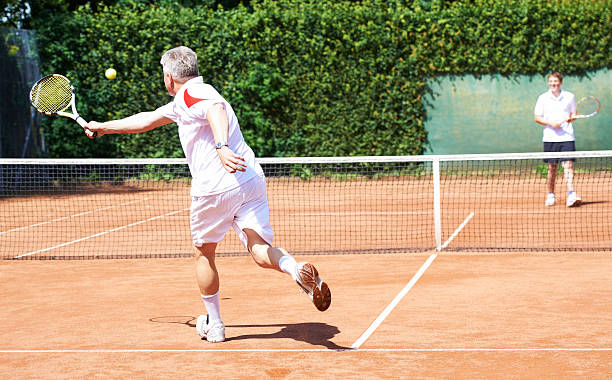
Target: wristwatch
<point>220,145</point>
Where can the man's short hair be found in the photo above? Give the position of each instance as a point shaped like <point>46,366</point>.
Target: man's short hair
<point>180,62</point>
<point>557,75</point>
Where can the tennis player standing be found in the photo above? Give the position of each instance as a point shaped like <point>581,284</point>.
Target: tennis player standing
<point>228,184</point>
<point>552,110</point>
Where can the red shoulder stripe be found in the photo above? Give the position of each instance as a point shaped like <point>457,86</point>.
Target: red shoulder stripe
<point>190,100</point>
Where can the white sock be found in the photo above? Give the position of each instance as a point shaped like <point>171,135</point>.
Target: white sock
<point>288,265</point>
<point>212,307</point>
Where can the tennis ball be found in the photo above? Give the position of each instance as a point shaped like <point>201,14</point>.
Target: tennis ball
<point>110,73</point>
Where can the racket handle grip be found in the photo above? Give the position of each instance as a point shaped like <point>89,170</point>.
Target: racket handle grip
<point>83,123</point>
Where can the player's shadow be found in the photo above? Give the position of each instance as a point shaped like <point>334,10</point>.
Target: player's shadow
<point>315,333</point>
<point>583,203</point>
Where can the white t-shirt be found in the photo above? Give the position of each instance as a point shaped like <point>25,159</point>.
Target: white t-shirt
<point>188,111</point>
<point>557,109</point>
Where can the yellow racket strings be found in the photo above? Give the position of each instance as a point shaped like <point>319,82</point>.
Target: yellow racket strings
<point>51,94</point>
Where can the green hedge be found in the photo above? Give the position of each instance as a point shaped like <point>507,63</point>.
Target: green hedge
<point>309,78</point>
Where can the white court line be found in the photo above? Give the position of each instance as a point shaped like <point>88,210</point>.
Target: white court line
<point>100,233</point>
<point>393,303</point>
<point>456,232</point>
<point>353,213</point>
<point>70,216</point>
<point>145,350</point>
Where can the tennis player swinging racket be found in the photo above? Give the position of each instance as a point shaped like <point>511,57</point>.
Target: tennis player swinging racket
<point>228,187</point>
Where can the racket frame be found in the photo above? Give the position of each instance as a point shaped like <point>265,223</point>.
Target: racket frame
<point>74,115</point>
<point>592,113</point>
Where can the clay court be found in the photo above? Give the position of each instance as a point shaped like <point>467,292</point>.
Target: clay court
<point>469,316</point>
<point>418,313</point>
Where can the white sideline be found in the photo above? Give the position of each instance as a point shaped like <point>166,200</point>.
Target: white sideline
<point>100,233</point>
<point>70,216</point>
<point>393,303</point>
<point>467,219</point>
<point>407,288</point>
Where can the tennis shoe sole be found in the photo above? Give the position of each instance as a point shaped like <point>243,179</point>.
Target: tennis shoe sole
<point>309,281</point>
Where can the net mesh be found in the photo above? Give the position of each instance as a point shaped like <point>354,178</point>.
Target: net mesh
<point>83,209</point>
<point>51,94</point>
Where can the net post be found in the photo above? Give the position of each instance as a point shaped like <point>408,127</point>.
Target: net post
<point>436,201</point>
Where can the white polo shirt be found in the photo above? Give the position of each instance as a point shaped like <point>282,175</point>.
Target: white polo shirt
<point>188,111</point>
<point>556,108</point>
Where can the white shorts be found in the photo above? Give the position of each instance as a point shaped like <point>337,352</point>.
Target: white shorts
<point>243,207</point>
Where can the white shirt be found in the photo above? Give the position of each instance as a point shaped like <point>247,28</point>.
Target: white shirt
<point>556,109</point>
<point>188,111</point>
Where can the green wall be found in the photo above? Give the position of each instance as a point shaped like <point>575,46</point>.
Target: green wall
<point>494,114</point>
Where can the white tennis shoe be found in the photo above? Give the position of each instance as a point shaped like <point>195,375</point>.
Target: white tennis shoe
<point>573,200</point>
<point>213,332</point>
<point>550,199</point>
<point>307,277</point>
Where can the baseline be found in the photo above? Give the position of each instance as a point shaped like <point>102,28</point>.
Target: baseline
<point>144,350</point>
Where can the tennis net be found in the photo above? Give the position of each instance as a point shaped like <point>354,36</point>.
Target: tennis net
<point>139,208</point>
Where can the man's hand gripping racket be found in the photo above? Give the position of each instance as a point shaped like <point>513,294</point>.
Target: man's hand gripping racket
<point>53,95</point>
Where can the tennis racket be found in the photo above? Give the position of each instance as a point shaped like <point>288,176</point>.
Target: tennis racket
<point>53,95</point>
<point>586,107</point>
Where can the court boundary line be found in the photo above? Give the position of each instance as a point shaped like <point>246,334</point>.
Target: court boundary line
<point>59,219</point>
<point>394,303</point>
<point>100,233</point>
<point>184,350</point>
<point>353,213</point>
<point>465,222</point>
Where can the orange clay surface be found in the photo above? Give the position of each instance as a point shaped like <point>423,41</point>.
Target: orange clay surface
<point>528,315</point>
<point>471,314</point>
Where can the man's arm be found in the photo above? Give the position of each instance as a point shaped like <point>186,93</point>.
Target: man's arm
<point>140,122</point>
<point>540,120</point>
<point>217,118</point>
